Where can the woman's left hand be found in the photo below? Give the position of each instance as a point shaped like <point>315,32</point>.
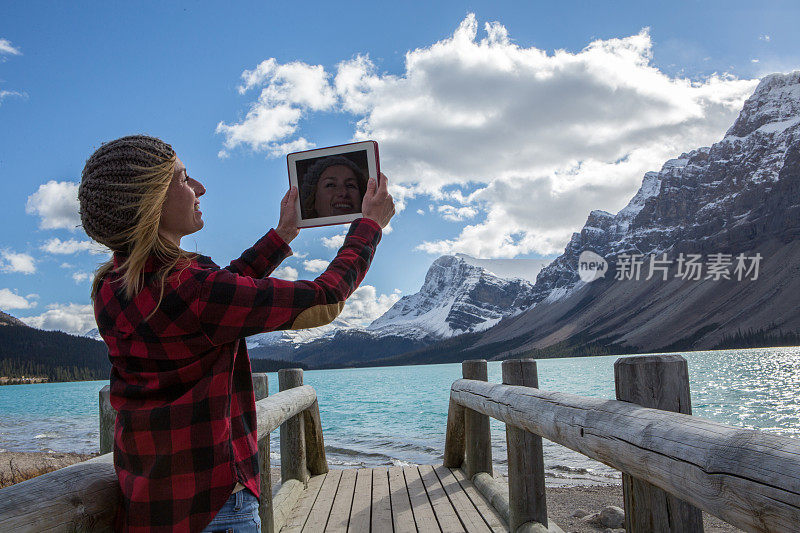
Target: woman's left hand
<point>287,225</point>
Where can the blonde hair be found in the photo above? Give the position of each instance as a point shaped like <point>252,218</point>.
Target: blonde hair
<point>142,240</point>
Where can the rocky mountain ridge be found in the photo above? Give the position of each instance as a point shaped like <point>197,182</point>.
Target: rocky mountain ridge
<point>708,200</point>
<point>457,297</point>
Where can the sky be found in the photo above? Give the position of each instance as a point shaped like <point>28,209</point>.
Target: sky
<point>501,125</point>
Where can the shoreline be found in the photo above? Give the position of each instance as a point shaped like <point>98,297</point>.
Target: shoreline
<point>562,502</point>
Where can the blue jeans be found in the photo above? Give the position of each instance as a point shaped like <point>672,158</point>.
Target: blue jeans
<point>238,515</point>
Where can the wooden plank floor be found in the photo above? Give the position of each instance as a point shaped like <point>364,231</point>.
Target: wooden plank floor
<point>424,499</point>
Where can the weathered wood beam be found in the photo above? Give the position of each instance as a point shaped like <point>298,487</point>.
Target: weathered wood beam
<point>527,499</point>
<point>748,478</point>
<point>79,497</point>
<point>293,435</point>
<point>316,460</point>
<point>497,493</point>
<point>454,437</point>
<point>274,410</point>
<point>660,382</point>
<point>477,434</point>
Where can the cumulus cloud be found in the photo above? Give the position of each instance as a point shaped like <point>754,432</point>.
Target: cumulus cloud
<point>457,214</point>
<point>73,246</point>
<point>540,137</point>
<point>16,262</point>
<point>287,92</point>
<point>12,300</point>
<point>69,318</point>
<point>285,272</point>
<point>56,203</point>
<point>365,305</point>
<point>335,242</point>
<point>80,276</point>
<point>315,265</point>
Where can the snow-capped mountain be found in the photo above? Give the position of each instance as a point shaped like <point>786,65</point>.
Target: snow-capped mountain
<point>295,338</point>
<point>703,199</point>
<point>457,297</point>
<point>739,196</point>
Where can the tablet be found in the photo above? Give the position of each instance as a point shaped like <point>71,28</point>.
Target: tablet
<point>332,181</point>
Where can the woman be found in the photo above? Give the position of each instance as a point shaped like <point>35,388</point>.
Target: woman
<point>185,446</point>
<point>332,186</point>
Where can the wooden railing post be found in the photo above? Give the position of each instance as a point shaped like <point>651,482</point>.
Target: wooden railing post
<point>477,436</point>
<point>108,418</point>
<point>316,460</point>
<point>261,391</point>
<point>526,492</point>
<point>454,438</point>
<point>293,438</point>
<point>658,382</point>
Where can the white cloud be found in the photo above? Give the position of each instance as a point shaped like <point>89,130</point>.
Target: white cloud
<point>5,94</point>
<point>289,90</point>
<point>56,202</point>
<point>11,300</point>
<point>541,137</point>
<point>80,276</point>
<point>420,212</point>
<point>73,246</point>
<point>297,145</point>
<point>7,48</point>
<point>17,262</point>
<point>335,242</point>
<point>315,265</point>
<point>66,265</point>
<point>457,214</point>
<point>764,37</point>
<point>365,305</point>
<point>70,318</point>
<point>285,272</point>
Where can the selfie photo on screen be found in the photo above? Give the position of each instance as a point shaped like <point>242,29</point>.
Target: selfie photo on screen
<point>332,181</point>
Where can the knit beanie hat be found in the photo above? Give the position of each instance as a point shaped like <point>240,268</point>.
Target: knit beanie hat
<point>313,173</point>
<point>108,194</point>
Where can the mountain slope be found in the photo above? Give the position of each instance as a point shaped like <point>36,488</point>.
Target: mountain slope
<point>457,297</point>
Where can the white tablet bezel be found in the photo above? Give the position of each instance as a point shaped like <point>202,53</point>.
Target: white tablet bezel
<point>371,147</point>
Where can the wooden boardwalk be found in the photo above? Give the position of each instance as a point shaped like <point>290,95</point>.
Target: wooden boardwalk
<point>398,499</point>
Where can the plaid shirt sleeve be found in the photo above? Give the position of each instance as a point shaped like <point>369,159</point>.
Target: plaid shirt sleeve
<point>263,258</point>
<point>233,306</point>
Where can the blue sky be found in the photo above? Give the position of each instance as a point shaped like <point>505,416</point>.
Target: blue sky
<point>501,124</point>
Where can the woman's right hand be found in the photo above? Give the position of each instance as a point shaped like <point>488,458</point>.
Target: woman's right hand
<point>378,204</point>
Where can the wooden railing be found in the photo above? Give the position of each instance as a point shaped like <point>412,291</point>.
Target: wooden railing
<point>84,496</point>
<point>673,464</point>
<point>748,478</point>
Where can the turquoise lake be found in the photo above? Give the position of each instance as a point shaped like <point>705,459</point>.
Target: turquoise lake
<point>397,415</point>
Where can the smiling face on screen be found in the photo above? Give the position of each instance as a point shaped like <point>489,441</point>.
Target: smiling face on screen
<point>337,192</point>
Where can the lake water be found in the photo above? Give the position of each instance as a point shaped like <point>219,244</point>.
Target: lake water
<point>397,415</point>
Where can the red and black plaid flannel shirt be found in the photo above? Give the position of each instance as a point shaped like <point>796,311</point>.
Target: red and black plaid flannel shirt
<point>181,382</point>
